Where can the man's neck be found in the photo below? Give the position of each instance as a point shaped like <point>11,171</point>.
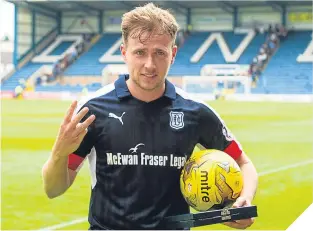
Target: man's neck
<point>143,95</point>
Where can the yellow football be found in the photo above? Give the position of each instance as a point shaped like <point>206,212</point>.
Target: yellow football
<point>211,179</point>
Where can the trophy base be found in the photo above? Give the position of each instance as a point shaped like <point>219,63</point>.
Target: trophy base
<point>209,217</point>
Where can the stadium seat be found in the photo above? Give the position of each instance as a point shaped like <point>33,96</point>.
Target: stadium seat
<point>61,48</point>
<point>283,74</point>
<point>88,63</point>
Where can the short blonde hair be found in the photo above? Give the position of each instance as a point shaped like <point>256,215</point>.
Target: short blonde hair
<point>148,18</point>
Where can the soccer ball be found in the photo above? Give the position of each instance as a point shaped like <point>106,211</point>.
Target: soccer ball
<point>211,179</point>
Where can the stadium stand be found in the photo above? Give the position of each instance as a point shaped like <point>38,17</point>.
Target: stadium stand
<point>285,58</point>
<point>213,55</point>
<point>23,73</point>
<point>299,74</point>
<point>61,48</point>
<point>41,66</point>
<point>293,77</point>
<point>88,64</point>
<point>198,48</point>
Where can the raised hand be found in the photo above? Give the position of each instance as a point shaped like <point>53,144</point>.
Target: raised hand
<point>72,131</point>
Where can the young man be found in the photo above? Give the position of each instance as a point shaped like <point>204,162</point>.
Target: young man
<point>137,134</point>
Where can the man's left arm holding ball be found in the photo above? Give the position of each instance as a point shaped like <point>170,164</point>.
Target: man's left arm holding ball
<point>214,134</point>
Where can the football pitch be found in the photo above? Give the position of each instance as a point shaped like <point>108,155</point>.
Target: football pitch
<point>277,136</point>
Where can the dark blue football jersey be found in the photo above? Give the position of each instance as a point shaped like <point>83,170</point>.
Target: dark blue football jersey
<point>136,151</point>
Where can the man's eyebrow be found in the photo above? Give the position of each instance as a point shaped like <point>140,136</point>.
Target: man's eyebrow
<point>139,48</point>
<point>161,49</point>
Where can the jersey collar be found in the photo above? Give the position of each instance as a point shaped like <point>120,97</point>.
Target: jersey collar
<point>123,92</point>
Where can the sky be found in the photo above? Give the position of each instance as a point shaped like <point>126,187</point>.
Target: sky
<point>6,19</point>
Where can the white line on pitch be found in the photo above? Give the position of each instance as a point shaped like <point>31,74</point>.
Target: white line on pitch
<point>62,225</point>
<point>264,173</point>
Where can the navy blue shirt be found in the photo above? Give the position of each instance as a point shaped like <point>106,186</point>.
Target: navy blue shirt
<point>136,152</point>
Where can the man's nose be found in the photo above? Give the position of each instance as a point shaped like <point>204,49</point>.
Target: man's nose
<point>150,64</point>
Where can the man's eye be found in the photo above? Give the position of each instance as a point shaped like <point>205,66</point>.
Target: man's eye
<point>160,53</point>
<point>139,52</point>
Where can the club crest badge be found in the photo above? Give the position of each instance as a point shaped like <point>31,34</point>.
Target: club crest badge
<point>176,120</point>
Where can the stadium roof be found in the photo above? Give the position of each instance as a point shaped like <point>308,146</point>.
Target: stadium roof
<point>93,6</point>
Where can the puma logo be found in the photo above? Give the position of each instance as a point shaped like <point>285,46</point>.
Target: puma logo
<point>112,115</point>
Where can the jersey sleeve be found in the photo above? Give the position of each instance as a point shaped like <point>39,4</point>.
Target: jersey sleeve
<point>214,133</point>
<point>75,160</point>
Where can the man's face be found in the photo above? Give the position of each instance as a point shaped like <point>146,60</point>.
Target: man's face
<point>148,63</point>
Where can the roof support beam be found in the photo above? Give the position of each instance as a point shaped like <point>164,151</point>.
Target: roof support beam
<point>86,8</point>
<point>275,6</point>
<point>46,11</point>
<point>176,7</point>
<point>226,7</point>
<point>128,5</point>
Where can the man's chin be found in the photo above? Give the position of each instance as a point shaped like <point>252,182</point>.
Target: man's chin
<point>148,87</point>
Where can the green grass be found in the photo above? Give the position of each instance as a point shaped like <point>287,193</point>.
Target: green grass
<point>273,135</point>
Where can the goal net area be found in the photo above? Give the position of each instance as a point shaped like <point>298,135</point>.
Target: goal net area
<point>219,81</point>
<point>216,87</point>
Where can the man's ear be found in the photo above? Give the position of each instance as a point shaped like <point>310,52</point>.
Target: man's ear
<point>123,51</point>
<point>174,52</point>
